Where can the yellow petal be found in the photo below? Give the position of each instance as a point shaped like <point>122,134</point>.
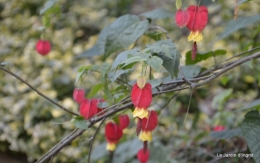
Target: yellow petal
<point>111,146</point>
<point>146,136</point>
<point>140,113</point>
<point>195,36</point>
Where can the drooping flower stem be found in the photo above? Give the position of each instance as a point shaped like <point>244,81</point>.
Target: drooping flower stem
<point>111,155</point>
<point>138,126</point>
<point>194,51</point>
<point>145,146</point>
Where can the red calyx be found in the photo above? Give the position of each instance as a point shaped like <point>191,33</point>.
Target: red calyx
<point>150,123</point>
<point>219,128</point>
<point>78,95</point>
<point>89,107</point>
<point>143,156</point>
<point>124,121</point>
<point>113,132</point>
<point>142,98</point>
<point>43,47</point>
<point>182,18</point>
<point>198,18</point>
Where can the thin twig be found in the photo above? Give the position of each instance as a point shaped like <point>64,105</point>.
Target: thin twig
<point>37,91</point>
<point>93,138</point>
<point>191,92</point>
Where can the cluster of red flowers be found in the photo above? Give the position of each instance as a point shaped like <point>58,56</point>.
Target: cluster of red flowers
<point>195,18</point>
<point>90,107</point>
<point>147,120</point>
<point>87,107</point>
<point>114,132</point>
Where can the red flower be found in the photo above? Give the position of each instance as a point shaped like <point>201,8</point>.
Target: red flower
<point>219,128</point>
<point>197,22</point>
<point>143,156</point>
<point>182,18</point>
<point>43,47</point>
<point>89,107</point>
<point>78,95</point>
<point>142,98</point>
<point>123,121</point>
<point>148,124</point>
<point>113,133</point>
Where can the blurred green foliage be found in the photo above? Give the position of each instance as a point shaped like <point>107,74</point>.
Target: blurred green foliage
<point>29,124</point>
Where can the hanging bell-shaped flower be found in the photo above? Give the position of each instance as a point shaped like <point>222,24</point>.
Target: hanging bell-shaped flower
<point>43,47</point>
<point>197,22</point>
<point>113,134</point>
<point>141,98</point>
<point>148,125</point>
<point>89,107</point>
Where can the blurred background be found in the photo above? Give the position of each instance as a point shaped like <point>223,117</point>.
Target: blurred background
<point>30,125</point>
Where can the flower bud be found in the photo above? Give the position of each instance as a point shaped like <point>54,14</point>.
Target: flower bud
<point>178,4</point>
<point>78,95</point>
<point>141,81</point>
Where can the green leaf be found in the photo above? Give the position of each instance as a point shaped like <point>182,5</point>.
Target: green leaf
<point>189,71</point>
<point>123,32</point>
<point>119,35</point>
<point>167,51</point>
<point>226,134</point>
<point>163,46</point>
<point>203,56</point>
<point>98,152</point>
<point>243,1</point>
<point>158,14</point>
<point>171,64</point>
<point>242,22</point>
<point>82,70</point>
<point>126,150</point>
<point>80,122</point>
<point>115,74</point>
<point>94,50</point>
<point>137,58</point>
<point>47,6</point>
<point>254,104</point>
<point>95,89</point>
<point>221,97</point>
<point>155,62</point>
<point>5,63</point>
<point>107,92</point>
<point>102,105</point>
<point>251,130</point>
<point>123,56</point>
<point>155,82</point>
<point>103,70</point>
